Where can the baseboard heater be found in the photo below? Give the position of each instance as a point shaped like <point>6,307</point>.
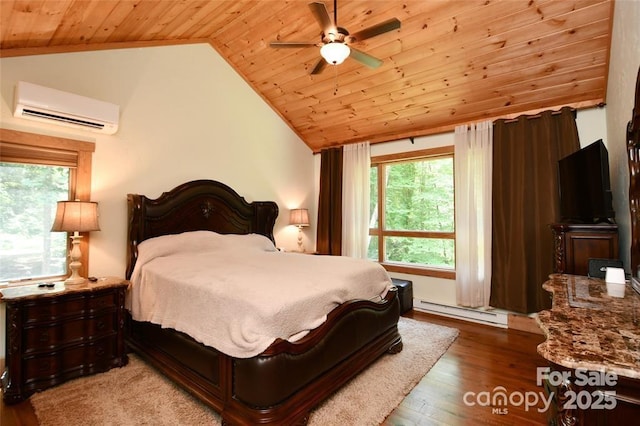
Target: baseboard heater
<point>493,317</point>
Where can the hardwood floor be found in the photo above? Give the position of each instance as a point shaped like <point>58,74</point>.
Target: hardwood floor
<point>481,359</point>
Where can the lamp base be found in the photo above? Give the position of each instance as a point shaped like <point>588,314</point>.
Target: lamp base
<point>300,246</point>
<point>71,281</point>
<point>74,265</point>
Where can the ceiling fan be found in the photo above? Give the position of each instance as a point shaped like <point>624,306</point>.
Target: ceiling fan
<point>335,42</point>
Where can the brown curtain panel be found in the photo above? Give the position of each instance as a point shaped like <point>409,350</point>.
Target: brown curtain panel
<point>525,202</point>
<point>329,237</point>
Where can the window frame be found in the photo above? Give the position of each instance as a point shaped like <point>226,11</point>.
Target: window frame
<point>30,148</point>
<point>380,162</point>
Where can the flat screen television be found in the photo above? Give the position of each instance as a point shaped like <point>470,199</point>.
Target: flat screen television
<point>585,188</point>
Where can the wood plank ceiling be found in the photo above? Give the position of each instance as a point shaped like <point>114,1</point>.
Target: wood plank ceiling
<point>451,62</point>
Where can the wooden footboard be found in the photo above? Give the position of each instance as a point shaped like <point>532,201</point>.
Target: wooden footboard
<point>282,385</point>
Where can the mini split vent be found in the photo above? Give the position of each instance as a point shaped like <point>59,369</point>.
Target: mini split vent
<point>54,106</point>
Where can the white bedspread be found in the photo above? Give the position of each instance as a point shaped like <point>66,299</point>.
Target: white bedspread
<point>237,293</point>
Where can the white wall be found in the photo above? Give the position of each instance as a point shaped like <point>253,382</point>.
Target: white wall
<point>185,114</point>
<point>623,69</point>
<point>592,125</point>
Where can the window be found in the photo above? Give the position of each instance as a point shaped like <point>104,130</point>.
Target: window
<point>35,172</point>
<point>412,227</point>
<point>27,247</point>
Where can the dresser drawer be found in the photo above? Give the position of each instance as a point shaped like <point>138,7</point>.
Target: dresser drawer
<point>72,361</point>
<point>46,311</point>
<point>68,332</point>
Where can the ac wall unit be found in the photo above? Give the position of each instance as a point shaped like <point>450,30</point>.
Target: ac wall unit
<point>68,109</point>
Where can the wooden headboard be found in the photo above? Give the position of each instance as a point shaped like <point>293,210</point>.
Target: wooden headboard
<point>633,149</point>
<point>193,206</point>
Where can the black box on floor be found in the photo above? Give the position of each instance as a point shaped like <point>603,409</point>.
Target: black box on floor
<point>405,294</point>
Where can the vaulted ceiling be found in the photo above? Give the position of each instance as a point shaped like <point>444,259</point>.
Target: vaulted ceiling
<point>450,62</point>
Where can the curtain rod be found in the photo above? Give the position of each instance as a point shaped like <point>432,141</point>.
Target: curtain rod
<point>513,120</point>
<point>451,128</point>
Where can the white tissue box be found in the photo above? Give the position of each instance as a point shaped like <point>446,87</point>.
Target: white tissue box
<point>614,275</point>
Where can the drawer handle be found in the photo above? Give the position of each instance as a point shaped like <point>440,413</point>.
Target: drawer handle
<point>44,337</point>
<point>100,351</point>
<point>101,325</point>
<point>44,366</point>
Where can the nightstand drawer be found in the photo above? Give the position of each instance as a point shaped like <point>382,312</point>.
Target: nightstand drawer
<point>37,311</point>
<point>68,332</point>
<point>70,362</point>
<point>68,306</point>
<point>101,301</point>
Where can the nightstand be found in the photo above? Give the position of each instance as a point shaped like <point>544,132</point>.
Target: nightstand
<point>57,334</point>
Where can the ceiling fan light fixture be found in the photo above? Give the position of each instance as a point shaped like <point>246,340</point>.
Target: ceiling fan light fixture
<point>335,52</point>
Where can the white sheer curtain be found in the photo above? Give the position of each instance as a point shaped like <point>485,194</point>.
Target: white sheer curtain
<point>356,161</point>
<point>473,168</point>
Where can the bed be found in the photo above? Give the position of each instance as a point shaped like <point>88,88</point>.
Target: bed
<point>285,381</point>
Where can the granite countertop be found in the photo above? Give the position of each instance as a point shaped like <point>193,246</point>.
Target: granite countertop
<point>33,291</point>
<point>587,328</point>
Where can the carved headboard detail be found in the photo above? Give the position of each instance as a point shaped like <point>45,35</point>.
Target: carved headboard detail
<point>194,206</point>
<point>633,149</point>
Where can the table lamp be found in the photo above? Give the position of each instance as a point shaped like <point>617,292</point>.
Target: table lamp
<point>75,216</point>
<point>299,218</point>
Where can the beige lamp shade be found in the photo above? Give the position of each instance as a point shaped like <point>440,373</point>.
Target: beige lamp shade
<point>299,217</point>
<point>76,216</point>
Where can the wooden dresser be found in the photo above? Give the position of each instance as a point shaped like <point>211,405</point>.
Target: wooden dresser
<point>593,349</point>
<point>575,244</point>
<point>56,334</point>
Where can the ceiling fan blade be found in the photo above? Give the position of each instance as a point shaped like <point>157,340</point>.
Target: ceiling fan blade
<point>321,14</point>
<point>386,26</point>
<point>292,44</point>
<point>364,58</point>
<point>319,67</point>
